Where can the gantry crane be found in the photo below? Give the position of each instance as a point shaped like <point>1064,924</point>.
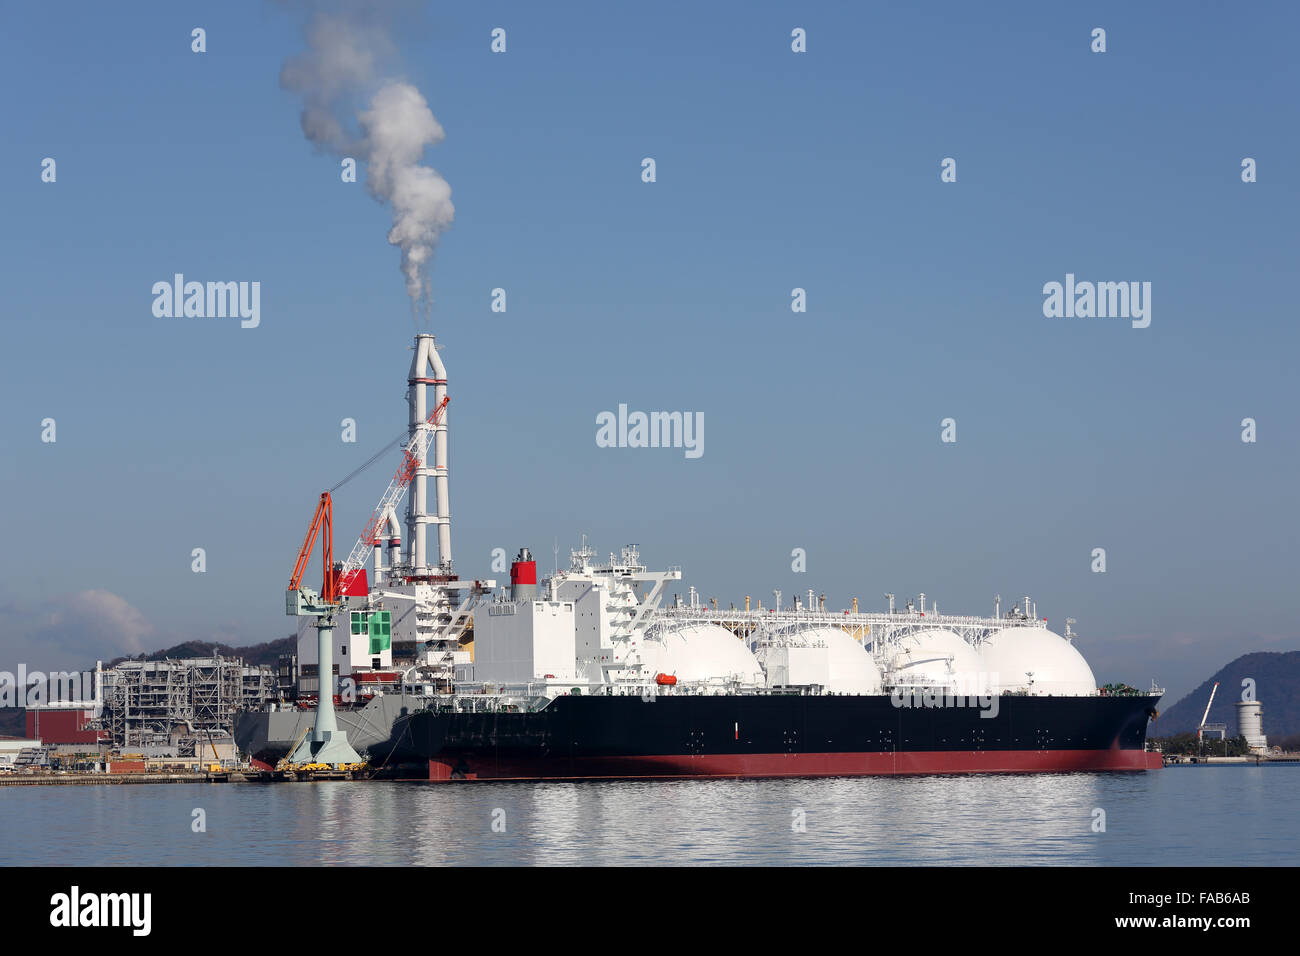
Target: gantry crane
<point>328,747</point>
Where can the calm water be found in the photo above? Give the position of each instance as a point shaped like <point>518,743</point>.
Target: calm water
<point>1178,816</point>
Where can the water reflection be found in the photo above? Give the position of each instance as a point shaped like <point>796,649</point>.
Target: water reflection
<point>1034,819</point>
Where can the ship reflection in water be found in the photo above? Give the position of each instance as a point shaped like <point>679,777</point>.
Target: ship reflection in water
<point>1014,819</point>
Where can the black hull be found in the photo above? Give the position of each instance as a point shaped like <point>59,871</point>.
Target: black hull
<point>779,735</point>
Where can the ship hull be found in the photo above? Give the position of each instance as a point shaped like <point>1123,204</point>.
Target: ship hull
<point>268,736</point>
<point>781,736</point>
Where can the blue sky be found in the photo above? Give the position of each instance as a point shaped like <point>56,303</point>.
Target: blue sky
<point>775,170</point>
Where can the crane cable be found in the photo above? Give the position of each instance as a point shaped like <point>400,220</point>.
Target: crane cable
<point>369,461</point>
<point>387,448</point>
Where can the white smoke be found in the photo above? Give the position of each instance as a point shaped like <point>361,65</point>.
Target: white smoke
<point>346,52</point>
<point>398,127</point>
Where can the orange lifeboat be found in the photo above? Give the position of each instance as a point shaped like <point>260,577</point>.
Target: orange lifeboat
<point>666,680</point>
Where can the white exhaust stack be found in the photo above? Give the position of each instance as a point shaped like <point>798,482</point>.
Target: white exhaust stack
<point>427,370</point>
<point>389,535</point>
<point>394,536</point>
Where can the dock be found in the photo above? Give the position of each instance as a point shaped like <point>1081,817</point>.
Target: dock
<point>96,779</point>
<point>1245,760</point>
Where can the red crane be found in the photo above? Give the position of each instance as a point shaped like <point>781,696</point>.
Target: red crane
<point>322,521</point>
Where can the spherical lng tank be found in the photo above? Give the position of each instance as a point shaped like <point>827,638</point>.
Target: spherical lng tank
<point>850,669</point>
<point>1037,661</point>
<point>936,658</point>
<point>701,652</point>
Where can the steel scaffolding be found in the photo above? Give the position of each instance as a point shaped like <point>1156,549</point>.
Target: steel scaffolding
<point>175,702</point>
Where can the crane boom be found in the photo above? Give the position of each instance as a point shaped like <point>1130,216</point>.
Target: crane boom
<point>412,455</point>
<point>1206,715</point>
<point>322,521</point>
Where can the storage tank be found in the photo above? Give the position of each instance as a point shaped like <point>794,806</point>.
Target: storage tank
<point>700,652</point>
<point>792,664</point>
<point>850,669</point>
<point>1250,724</point>
<point>1037,661</point>
<point>936,658</point>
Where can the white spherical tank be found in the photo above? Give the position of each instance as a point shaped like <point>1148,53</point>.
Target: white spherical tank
<point>936,658</point>
<point>1037,661</point>
<point>652,652</point>
<point>701,652</point>
<point>850,669</point>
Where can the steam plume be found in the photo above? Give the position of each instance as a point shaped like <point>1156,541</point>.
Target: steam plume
<point>347,49</point>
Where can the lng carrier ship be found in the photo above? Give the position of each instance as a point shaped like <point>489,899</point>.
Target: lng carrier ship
<point>587,675</point>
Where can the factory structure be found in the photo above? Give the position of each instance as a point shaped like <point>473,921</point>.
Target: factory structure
<point>176,710</point>
<point>535,679</point>
<point>179,704</point>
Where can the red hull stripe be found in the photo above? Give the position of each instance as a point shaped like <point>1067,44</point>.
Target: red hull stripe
<point>794,765</point>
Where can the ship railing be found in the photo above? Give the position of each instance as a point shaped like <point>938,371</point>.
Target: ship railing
<point>492,697</point>
<point>1131,692</point>
<point>804,616</point>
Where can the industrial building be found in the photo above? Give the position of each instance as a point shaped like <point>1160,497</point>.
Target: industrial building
<point>65,722</point>
<point>174,704</point>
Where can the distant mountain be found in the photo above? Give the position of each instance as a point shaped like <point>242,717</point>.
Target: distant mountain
<point>1277,687</point>
<point>266,653</point>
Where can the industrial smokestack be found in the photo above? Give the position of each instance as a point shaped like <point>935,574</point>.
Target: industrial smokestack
<point>427,370</point>
<point>388,533</point>
<point>523,577</point>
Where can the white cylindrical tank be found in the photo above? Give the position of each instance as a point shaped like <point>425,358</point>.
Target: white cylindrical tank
<point>936,658</point>
<point>1250,723</point>
<point>1034,660</point>
<point>701,652</point>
